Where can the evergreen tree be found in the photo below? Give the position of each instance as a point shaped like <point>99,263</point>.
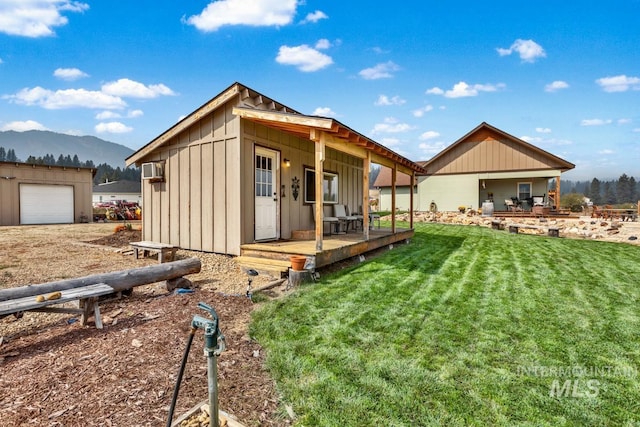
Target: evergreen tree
<point>623,191</point>
<point>11,156</point>
<point>594,192</point>
<point>609,193</point>
<point>633,190</point>
<point>3,154</point>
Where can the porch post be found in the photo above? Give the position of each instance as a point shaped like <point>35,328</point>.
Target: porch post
<point>366,165</point>
<point>319,213</point>
<point>394,175</point>
<point>413,180</point>
<point>558,193</point>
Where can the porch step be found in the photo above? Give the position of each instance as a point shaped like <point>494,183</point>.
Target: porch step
<point>264,264</point>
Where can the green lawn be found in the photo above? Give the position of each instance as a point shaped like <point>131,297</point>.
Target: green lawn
<point>464,326</point>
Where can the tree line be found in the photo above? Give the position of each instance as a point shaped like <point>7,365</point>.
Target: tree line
<point>625,189</point>
<point>104,171</point>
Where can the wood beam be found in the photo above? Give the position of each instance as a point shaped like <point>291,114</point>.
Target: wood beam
<point>319,213</point>
<point>394,176</point>
<point>344,147</point>
<point>366,165</point>
<point>413,182</point>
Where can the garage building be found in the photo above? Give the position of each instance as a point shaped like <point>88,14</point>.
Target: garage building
<point>44,194</point>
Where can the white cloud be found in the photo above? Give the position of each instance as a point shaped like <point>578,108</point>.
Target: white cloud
<point>390,142</point>
<point>537,140</point>
<point>112,127</point>
<point>133,114</point>
<point>22,126</point>
<point>420,111</point>
<point>595,122</point>
<point>528,50</point>
<point>378,50</point>
<point>434,91</point>
<point>462,89</point>
<point>323,44</point>
<point>303,57</point>
<point>314,17</point>
<point>636,130</point>
<point>257,13</point>
<point>36,18</point>
<point>543,130</point>
<point>620,83</point>
<point>556,86</point>
<point>384,100</point>
<point>391,125</point>
<point>380,71</point>
<point>1,61</point>
<point>606,151</point>
<point>432,148</point>
<point>133,89</point>
<point>430,134</point>
<point>69,74</point>
<point>324,112</point>
<point>68,98</point>
<point>107,115</point>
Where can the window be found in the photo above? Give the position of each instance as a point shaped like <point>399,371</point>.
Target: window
<point>264,176</point>
<point>524,190</point>
<point>329,186</point>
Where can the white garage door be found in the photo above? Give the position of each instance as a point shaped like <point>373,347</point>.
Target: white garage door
<point>46,204</point>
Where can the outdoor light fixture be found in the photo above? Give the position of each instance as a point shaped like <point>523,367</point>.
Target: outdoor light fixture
<point>286,162</point>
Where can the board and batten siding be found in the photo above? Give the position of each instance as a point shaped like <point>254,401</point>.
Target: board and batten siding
<point>198,205</point>
<point>206,201</point>
<point>485,153</point>
<point>295,214</point>
<point>14,174</point>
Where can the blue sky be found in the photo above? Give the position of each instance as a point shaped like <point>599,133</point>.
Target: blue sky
<point>414,76</point>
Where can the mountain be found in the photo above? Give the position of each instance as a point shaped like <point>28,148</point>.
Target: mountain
<point>39,143</point>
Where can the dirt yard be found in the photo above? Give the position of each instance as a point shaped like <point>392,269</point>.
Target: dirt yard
<point>57,373</point>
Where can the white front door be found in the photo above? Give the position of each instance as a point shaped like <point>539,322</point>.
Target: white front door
<point>266,194</point>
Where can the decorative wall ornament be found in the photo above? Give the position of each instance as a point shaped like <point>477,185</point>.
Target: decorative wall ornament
<point>295,187</point>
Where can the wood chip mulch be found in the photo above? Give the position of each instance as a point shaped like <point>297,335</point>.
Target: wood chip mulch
<point>54,372</point>
<point>67,375</point>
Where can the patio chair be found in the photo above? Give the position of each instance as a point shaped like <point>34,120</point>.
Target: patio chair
<point>517,203</point>
<point>509,205</point>
<point>538,201</point>
<point>331,220</point>
<point>359,223</point>
<point>340,212</point>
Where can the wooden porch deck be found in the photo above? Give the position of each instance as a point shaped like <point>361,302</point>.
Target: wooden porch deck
<point>274,256</point>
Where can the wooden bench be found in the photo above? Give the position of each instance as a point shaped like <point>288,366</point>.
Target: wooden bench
<point>165,251</point>
<point>551,231</point>
<point>87,297</point>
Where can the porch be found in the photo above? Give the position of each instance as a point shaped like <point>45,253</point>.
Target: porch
<point>274,256</point>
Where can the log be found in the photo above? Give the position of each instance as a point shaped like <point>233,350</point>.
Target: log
<point>119,280</point>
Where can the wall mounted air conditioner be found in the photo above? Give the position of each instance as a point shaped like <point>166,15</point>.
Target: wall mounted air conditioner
<point>152,171</point>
